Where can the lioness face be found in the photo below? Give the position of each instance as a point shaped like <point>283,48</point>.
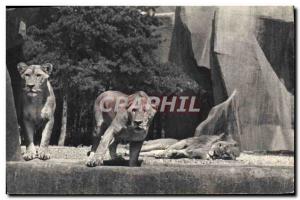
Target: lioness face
<point>141,114</point>
<point>35,77</point>
<point>224,150</point>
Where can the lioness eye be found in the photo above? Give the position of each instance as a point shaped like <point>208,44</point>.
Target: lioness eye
<point>134,110</point>
<point>27,74</point>
<point>38,75</point>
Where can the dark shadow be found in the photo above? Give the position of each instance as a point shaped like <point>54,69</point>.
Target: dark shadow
<point>276,38</point>
<point>219,89</point>
<point>182,54</point>
<point>124,163</point>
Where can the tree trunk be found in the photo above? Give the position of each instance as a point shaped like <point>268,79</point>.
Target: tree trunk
<point>63,130</point>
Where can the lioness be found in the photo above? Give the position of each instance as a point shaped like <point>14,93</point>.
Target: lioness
<point>204,147</point>
<point>38,106</point>
<point>221,146</point>
<point>120,117</point>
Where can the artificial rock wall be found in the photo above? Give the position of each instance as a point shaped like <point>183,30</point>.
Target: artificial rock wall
<point>250,49</point>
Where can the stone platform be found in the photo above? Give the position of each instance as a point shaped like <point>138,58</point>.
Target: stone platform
<point>66,173</point>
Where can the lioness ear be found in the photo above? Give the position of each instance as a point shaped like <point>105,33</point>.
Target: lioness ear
<point>154,102</point>
<point>47,67</point>
<point>154,106</point>
<point>22,67</point>
<point>154,109</point>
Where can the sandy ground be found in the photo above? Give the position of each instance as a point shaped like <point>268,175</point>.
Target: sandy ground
<point>79,155</point>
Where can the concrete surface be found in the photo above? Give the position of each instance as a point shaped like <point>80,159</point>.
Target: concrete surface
<point>79,154</point>
<point>74,178</point>
<point>251,174</point>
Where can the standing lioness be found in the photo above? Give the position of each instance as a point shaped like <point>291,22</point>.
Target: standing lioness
<point>38,106</point>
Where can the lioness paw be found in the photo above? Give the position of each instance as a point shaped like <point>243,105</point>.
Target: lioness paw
<point>29,155</point>
<point>93,162</point>
<point>43,155</point>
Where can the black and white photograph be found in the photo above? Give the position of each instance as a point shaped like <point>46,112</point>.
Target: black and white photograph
<point>150,100</point>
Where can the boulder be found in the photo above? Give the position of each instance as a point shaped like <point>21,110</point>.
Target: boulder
<point>13,148</point>
<point>265,104</point>
<point>73,178</point>
<point>222,118</point>
<point>165,30</point>
<point>181,52</point>
<point>248,49</point>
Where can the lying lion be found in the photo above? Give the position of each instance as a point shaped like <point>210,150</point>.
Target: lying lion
<point>202,147</point>
<point>38,106</point>
<point>116,121</point>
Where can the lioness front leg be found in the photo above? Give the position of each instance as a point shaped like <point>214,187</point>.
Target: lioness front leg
<point>134,152</point>
<point>43,152</point>
<point>106,140</point>
<point>30,148</point>
<point>99,130</point>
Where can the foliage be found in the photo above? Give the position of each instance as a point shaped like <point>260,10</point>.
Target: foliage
<point>170,79</point>
<point>94,49</point>
<point>92,42</point>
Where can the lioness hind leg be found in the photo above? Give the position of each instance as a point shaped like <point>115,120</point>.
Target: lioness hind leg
<point>134,152</point>
<point>30,148</point>
<point>43,152</point>
<point>113,152</point>
<point>199,153</point>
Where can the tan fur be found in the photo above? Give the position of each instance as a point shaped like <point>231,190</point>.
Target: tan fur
<point>124,122</point>
<point>38,106</point>
<point>202,147</point>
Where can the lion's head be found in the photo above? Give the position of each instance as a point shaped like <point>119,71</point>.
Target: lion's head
<point>35,77</point>
<point>140,110</point>
<point>227,150</point>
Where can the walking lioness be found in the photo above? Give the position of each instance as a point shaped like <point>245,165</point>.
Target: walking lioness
<point>38,106</point>
<point>120,117</point>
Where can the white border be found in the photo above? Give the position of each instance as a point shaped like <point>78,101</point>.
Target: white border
<point>154,2</point>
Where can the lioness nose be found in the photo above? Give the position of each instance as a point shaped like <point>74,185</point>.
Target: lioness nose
<point>137,122</point>
<point>30,85</point>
